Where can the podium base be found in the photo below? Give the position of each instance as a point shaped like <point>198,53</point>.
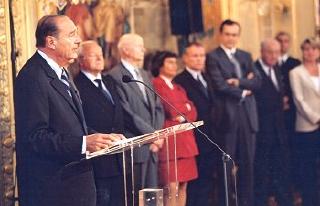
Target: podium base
<point>151,197</point>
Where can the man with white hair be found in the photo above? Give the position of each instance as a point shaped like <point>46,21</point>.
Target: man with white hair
<point>271,171</point>
<point>103,113</point>
<point>143,112</point>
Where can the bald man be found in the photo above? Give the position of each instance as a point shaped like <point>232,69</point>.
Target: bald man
<point>271,183</point>
<point>143,112</point>
<point>103,113</point>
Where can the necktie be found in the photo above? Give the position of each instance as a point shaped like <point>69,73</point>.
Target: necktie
<point>75,97</point>
<point>281,62</point>
<point>202,86</point>
<point>71,90</point>
<point>141,87</point>
<point>65,80</point>
<point>273,78</point>
<point>105,92</point>
<point>237,66</point>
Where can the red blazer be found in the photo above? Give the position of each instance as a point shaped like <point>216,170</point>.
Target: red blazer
<point>186,144</point>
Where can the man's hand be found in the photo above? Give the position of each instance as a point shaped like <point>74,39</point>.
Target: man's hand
<point>247,92</point>
<point>156,145</point>
<point>233,82</point>
<point>100,141</point>
<point>188,106</point>
<point>179,119</point>
<point>286,105</point>
<point>250,75</point>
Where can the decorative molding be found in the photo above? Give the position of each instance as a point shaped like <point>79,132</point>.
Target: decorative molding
<point>6,112</point>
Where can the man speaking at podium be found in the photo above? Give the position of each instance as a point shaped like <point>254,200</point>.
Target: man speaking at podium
<point>143,112</point>
<point>51,133</point>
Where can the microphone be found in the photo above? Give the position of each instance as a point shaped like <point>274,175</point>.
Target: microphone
<point>225,157</point>
<point>128,79</point>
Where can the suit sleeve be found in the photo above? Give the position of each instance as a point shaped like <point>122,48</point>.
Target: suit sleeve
<point>33,112</point>
<point>215,72</point>
<point>133,119</point>
<point>170,112</point>
<point>254,83</point>
<point>299,99</point>
<point>159,114</point>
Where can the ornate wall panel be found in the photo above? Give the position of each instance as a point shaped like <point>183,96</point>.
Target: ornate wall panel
<point>6,111</point>
<point>259,19</point>
<point>24,18</point>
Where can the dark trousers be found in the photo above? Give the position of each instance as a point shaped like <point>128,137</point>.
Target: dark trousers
<point>289,120</point>
<point>240,145</point>
<point>306,153</point>
<point>271,169</point>
<point>110,191</point>
<point>198,190</point>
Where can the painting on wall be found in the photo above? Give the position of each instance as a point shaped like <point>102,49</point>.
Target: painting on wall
<point>212,17</point>
<point>100,20</point>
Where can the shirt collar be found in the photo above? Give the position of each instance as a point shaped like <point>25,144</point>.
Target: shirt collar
<point>194,73</point>
<point>91,76</point>
<point>264,66</point>
<point>130,68</point>
<point>283,58</point>
<point>53,65</point>
<point>229,52</point>
<point>167,81</point>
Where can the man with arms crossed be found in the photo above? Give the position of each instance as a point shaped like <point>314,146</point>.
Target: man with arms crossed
<point>234,78</point>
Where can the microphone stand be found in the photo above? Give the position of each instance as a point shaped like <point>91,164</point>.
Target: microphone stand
<point>225,157</point>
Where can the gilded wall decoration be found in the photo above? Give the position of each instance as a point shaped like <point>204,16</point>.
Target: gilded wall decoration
<point>6,111</point>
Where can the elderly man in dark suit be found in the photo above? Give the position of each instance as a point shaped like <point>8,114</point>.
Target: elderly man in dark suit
<point>103,113</point>
<point>271,168</point>
<point>200,92</point>
<point>51,133</point>
<point>234,78</point>
<point>143,112</point>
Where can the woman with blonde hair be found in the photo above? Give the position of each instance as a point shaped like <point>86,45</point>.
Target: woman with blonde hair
<point>305,84</point>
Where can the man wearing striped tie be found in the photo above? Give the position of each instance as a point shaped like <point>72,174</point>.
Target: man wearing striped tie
<point>51,133</point>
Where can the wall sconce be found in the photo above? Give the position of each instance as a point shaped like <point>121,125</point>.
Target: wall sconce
<point>263,7</point>
<point>282,8</point>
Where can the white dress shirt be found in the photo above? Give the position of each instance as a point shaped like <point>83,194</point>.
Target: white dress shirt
<point>270,72</point>
<point>282,59</point>
<point>229,52</point>
<point>167,81</point>
<point>130,68</point>
<point>197,76</point>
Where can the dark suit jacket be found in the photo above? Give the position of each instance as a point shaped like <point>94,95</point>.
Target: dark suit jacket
<point>290,114</point>
<point>285,68</point>
<point>270,104</point>
<point>104,117</point>
<point>49,133</point>
<point>220,68</point>
<point>204,105</point>
<point>139,117</point>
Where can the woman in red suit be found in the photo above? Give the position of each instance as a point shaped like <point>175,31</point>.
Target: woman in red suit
<point>164,68</point>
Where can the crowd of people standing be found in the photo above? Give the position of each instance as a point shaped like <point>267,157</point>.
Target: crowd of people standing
<point>264,114</point>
